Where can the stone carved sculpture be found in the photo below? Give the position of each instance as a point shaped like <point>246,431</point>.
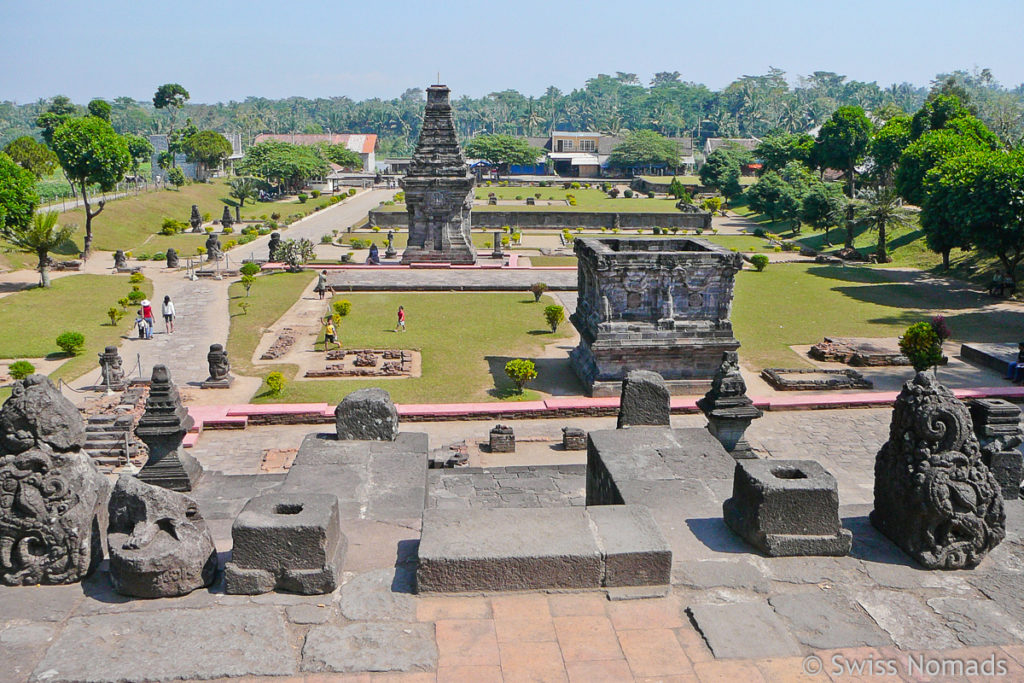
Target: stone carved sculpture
<point>172,258</point>
<point>220,368</point>
<point>51,494</point>
<point>159,544</point>
<point>163,427</point>
<point>366,415</point>
<point>195,220</point>
<point>934,497</point>
<point>226,220</point>
<point>727,407</point>
<point>390,251</point>
<point>212,248</point>
<point>120,260</point>
<point>275,242</point>
<point>113,369</point>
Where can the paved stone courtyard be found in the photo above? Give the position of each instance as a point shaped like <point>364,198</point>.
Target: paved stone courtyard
<point>731,614</point>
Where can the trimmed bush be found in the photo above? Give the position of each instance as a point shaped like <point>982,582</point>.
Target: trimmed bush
<point>922,346</point>
<point>275,383</point>
<point>538,288</point>
<point>135,297</point>
<point>351,192</point>
<point>249,268</point>
<point>20,369</point>
<point>326,239</point>
<point>520,371</point>
<point>115,314</point>
<point>316,194</point>
<point>628,194</point>
<point>759,261</point>
<point>136,278</point>
<point>342,308</point>
<point>71,343</point>
<point>554,315</point>
<point>303,197</point>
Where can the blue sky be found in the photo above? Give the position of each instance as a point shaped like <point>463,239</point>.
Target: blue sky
<point>229,50</point>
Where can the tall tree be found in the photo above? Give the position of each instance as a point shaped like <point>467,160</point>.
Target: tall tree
<point>502,150</point>
<point>778,199</point>
<point>171,96</point>
<point>59,110</point>
<point>924,154</point>
<point>140,150</point>
<point>100,109</point>
<point>18,198</point>
<point>823,207</point>
<point>245,187</point>
<point>776,150</point>
<point>843,141</point>
<point>645,148</point>
<point>40,237</point>
<point>889,144</point>
<point>882,209</point>
<point>721,170</point>
<point>207,149</point>
<point>32,156</point>
<point>90,152</point>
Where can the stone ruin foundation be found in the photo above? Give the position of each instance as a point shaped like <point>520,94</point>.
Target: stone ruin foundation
<point>366,363</point>
<point>501,439</point>
<point>859,351</point>
<point>812,379</point>
<point>652,304</point>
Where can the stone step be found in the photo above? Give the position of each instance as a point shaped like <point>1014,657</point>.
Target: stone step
<point>106,437</point>
<point>96,420</point>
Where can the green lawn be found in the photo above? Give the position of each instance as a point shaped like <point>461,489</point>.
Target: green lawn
<point>690,179</point>
<point>586,200</point>
<point>553,261</point>
<point>31,320</point>
<point>464,351</point>
<point>795,304</point>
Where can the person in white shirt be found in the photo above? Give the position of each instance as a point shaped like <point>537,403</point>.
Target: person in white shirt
<point>168,310</point>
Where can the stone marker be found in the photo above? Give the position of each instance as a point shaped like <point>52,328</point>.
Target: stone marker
<point>502,439</point>
<point>531,201</point>
<point>997,426</point>
<point>159,544</point>
<point>120,260</point>
<point>934,497</point>
<point>367,415</point>
<point>226,220</point>
<point>287,541</point>
<point>52,494</point>
<point>496,250</point>
<point>275,242</point>
<point>727,407</point>
<point>787,507</point>
<point>112,369</point>
<point>645,400</point>
<point>195,220</point>
<point>574,439</point>
<point>492,201</point>
<point>172,257</point>
<point>213,252</point>
<point>163,427</point>
<point>390,251</point>
<point>439,189</point>
<point>220,368</point>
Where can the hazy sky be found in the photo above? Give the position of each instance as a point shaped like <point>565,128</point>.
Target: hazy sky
<point>224,51</point>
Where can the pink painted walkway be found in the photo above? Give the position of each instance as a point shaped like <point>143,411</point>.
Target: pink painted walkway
<point>237,416</point>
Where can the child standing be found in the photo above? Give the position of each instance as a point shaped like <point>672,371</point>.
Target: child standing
<point>168,311</point>
<point>401,319</point>
<point>330,334</point>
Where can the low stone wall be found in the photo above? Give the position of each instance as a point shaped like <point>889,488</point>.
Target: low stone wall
<point>556,220</point>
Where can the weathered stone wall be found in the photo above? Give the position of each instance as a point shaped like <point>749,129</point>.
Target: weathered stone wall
<point>556,220</point>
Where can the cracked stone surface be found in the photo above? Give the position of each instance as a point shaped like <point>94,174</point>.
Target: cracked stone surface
<point>828,621</point>
<point>370,647</point>
<point>381,595</point>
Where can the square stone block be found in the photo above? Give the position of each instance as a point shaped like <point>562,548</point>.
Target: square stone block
<point>635,552</point>
<point>286,541</point>
<point>787,507</point>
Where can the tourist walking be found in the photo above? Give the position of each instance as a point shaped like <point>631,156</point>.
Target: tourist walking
<point>321,284</point>
<point>147,315</point>
<point>168,311</point>
<point>401,319</point>
<point>330,335</point>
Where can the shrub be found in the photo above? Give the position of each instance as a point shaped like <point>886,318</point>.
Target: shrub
<point>207,216</point>
<point>628,194</point>
<point>342,308</point>
<point>275,383</point>
<point>123,303</point>
<point>922,346</point>
<point>572,201</point>
<point>375,228</point>
<point>615,231</point>
<point>400,197</point>
<point>159,256</point>
<point>505,241</point>
<point>71,342</point>
<point>176,177</point>
<point>230,244</point>
<point>228,230</point>
<point>656,230</point>
<point>674,230</point>
<point>574,186</point>
<point>942,330</point>
<point>760,261</point>
<point>249,268</point>
<point>244,305</point>
<point>538,288</point>
<point>777,249</point>
<point>275,216</point>
<point>613,193</point>
<point>115,314</point>
<point>200,251</point>
<point>543,183</point>
<point>303,197</point>
<point>209,229</point>
<point>351,191</point>
<point>520,371</point>
<point>536,195</point>
<point>519,197</point>
<point>20,369</point>
<point>135,296</point>
<point>172,227</point>
<point>315,193</point>
<point>604,229</point>
<point>712,204</point>
<point>650,195</point>
<point>326,239</point>
<point>554,315</point>
<point>759,232</point>
<point>136,278</point>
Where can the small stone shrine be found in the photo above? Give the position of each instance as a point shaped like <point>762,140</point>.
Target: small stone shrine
<point>574,439</point>
<point>997,426</point>
<point>438,190</point>
<point>120,260</point>
<point>112,368</point>
<point>728,409</point>
<point>220,368</point>
<point>787,507</point>
<point>213,248</point>
<point>51,493</point>
<point>502,439</point>
<point>163,427</point>
<point>366,415</point>
<point>275,242</point>
<point>644,400</point>
<point>934,496</point>
<point>226,220</point>
<point>195,220</point>
<point>159,544</point>
<point>172,258</point>
<point>652,304</point>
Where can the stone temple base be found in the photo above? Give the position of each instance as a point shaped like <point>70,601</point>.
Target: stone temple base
<point>457,255</point>
<point>218,383</point>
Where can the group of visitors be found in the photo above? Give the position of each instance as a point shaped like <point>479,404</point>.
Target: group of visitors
<point>331,332</point>
<point>144,318</point>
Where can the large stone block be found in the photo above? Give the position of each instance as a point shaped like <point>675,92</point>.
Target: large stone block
<point>288,541</point>
<point>787,507</point>
<point>635,551</point>
<point>644,401</point>
<point>159,544</point>
<point>367,415</point>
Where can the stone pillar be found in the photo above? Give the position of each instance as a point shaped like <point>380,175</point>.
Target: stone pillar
<point>496,253</point>
<point>502,439</point>
<point>574,439</point>
<point>728,409</point>
<point>644,400</point>
<point>997,426</point>
<point>162,428</point>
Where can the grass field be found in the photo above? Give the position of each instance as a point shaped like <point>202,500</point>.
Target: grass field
<point>795,304</point>
<point>31,320</point>
<point>586,200</point>
<point>465,341</point>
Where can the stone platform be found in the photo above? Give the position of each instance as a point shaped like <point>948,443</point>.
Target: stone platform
<point>998,357</point>
<point>859,351</point>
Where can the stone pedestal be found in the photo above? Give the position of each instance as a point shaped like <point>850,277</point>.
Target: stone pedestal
<point>728,409</point>
<point>659,304</point>
<point>439,190</point>
<point>574,439</point>
<point>162,428</point>
<point>787,507</point>
<point>287,541</point>
<point>496,251</point>
<point>502,439</point>
<point>644,400</point>
<point>997,426</point>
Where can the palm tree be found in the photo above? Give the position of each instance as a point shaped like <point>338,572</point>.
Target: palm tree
<point>882,209</point>
<point>40,237</point>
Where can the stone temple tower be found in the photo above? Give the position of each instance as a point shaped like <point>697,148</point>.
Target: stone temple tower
<point>439,190</point>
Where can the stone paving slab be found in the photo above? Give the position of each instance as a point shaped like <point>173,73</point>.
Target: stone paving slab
<point>825,621</point>
<point>370,647</point>
<point>209,643</point>
<point>910,623</point>
<point>744,630</point>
